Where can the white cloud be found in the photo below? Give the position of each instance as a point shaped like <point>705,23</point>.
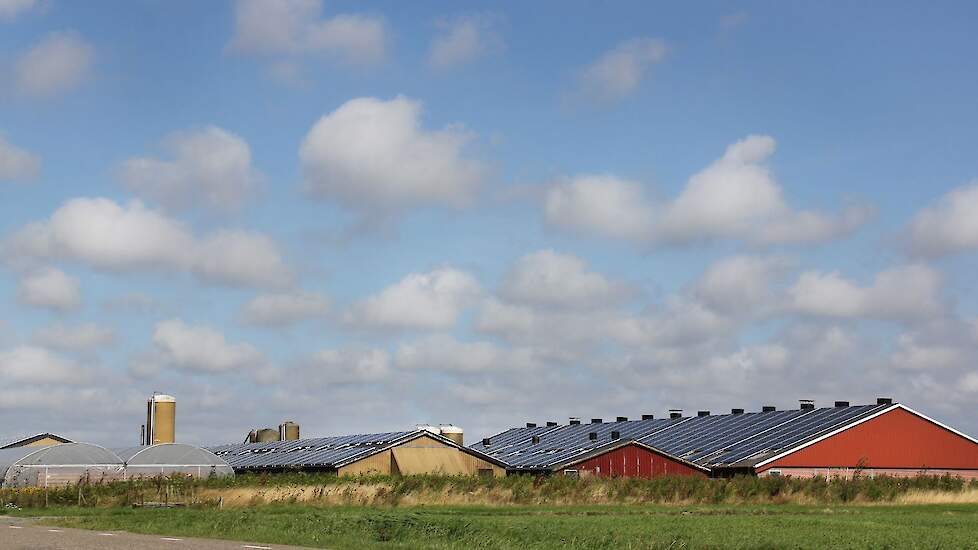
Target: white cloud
<point>906,292</point>
<point>432,300</point>
<point>34,365</point>
<point>9,9</point>
<point>373,155</point>
<point>284,308</point>
<point>76,338</point>
<point>59,62</point>
<point>949,226</point>
<point>911,354</point>
<point>735,197</point>
<point>440,352</point>
<point>618,73</point>
<point>210,165</point>
<point>51,289</point>
<point>462,40</point>
<point>552,279</point>
<point>17,164</point>
<point>201,348</point>
<point>111,237</point>
<point>346,366</point>
<point>739,283</point>
<point>294,27</point>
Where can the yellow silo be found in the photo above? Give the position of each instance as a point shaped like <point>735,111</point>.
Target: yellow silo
<point>454,433</point>
<point>161,419</point>
<point>288,431</point>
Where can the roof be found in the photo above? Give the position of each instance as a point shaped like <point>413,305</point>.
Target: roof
<point>64,454</point>
<point>326,452</point>
<point>7,442</point>
<point>169,454</point>
<point>714,441</point>
<point>614,445</point>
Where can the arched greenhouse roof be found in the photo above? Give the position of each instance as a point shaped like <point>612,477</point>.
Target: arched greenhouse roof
<point>170,454</point>
<point>64,454</point>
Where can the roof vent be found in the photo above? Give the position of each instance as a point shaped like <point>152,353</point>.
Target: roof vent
<point>535,439</point>
<point>593,436</point>
<point>736,411</point>
<point>702,413</point>
<point>486,442</point>
<point>621,419</point>
<point>615,435</point>
<point>841,403</point>
<point>531,425</point>
<point>595,421</point>
<point>806,404</point>
<point>768,408</point>
<point>551,424</point>
<point>884,400</point>
<point>675,413</point>
<point>648,416</point>
<point>574,421</point>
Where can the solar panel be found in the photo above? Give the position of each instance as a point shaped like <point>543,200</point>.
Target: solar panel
<point>321,452</point>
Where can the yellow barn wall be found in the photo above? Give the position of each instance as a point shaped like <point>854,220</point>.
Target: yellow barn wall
<point>379,463</point>
<point>43,442</point>
<point>423,455</point>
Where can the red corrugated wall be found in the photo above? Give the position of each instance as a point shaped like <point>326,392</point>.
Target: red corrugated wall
<point>895,439</point>
<point>634,461</point>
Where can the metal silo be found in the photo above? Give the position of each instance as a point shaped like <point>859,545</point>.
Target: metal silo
<point>454,433</point>
<point>288,431</point>
<point>161,419</point>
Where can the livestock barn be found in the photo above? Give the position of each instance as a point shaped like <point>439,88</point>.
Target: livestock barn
<point>885,438</point>
<point>400,453</point>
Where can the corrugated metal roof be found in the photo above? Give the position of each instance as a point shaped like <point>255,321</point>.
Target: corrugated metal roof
<point>324,452</point>
<point>714,441</point>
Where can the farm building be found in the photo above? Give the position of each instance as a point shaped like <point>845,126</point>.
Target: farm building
<point>172,458</point>
<point>406,453</point>
<point>33,440</point>
<point>885,438</point>
<point>58,465</point>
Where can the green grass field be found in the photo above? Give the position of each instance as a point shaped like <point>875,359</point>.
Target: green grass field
<point>569,527</point>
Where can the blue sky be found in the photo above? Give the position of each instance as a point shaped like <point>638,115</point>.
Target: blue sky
<point>363,216</point>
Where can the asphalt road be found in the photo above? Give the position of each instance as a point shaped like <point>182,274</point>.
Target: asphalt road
<point>22,534</point>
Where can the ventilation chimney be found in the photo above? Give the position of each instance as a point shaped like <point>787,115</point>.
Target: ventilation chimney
<point>736,411</point>
<point>593,436</point>
<point>806,404</point>
<point>702,413</point>
<point>884,400</point>
<point>768,408</point>
<point>648,417</point>
<point>574,421</point>
<point>595,421</point>
<point>675,413</point>
<point>841,403</point>
<point>551,424</point>
<point>535,440</point>
<point>486,442</point>
<point>621,419</point>
<point>531,425</point>
<point>616,435</point>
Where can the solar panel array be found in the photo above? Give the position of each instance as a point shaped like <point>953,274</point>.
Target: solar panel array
<point>325,452</point>
<point>714,441</point>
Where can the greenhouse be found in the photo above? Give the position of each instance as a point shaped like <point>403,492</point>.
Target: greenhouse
<point>58,465</point>
<point>173,458</point>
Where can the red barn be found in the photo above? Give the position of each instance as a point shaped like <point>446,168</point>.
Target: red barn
<point>630,459</point>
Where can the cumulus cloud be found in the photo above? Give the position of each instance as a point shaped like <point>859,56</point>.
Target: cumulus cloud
<point>210,166</point>
<point>740,283</point>
<point>17,164</point>
<point>201,348</point>
<point>284,308</point>
<point>440,352</point>
<point>619,72</point>
<point>432,300</point>
<point>58,63</point>
<point>905,292</point>
<point>346,366</point>
<point>463,39</point>
<point>947,227</point>
<point>75,338</point>
<point>50,289</point>
<point>34,365</point>
<point>735,197</point>
<point>112,237</point>
<point>553,279</point>
<point>374,155</point>
<point>9,9</point>
<point>295,27</point>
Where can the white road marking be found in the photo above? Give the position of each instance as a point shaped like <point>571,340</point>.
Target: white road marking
<point>54,530</point>
<point>15,526</point>
<point>170,539</point>
<point>256,547</point>
<point>106,534</point>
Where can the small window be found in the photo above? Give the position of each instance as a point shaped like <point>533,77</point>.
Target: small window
<point>485,472</point>
<point>571,473</point>
<point>774,473</point>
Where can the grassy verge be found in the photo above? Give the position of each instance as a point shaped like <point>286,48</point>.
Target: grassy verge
<point>531,528</point>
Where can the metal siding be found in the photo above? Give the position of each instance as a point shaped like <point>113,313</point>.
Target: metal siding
<point>634,461</point>
<point>897,439</point>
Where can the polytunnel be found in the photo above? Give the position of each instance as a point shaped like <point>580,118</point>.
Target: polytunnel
<point>58,465</point>
<point>173,458</point>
